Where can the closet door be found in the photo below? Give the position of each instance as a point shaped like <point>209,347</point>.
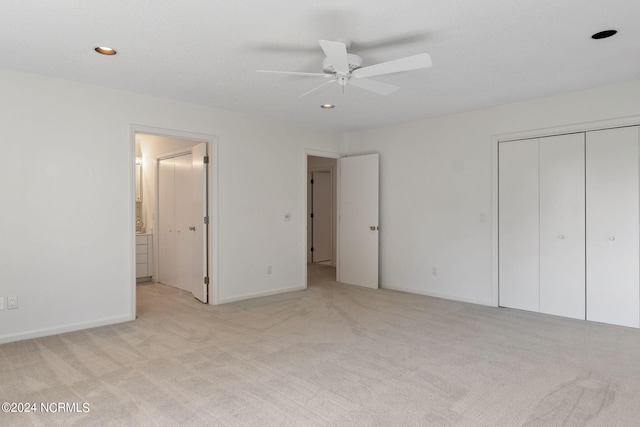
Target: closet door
<point>562,225</point>
<point>518,244</point>
<point>183,237</point>
<point>612,226</point>
<point>175,246</point>
<point>166,219</point>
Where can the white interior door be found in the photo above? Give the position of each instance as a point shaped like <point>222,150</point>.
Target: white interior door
<point>518,242</point>
<point>166,257</point>
<point>183,219</point>
<point>612,226</point>
<point>322,209</point>
<point>358,236</point>
<point>199,227</point>
<point>562,222</point>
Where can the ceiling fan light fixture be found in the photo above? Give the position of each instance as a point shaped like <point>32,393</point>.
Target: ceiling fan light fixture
<point>103,50</point>
<point>604,34</point>
<point>327,106</point>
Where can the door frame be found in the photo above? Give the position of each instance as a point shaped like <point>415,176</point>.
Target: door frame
<point>496,139</point>
<point>328,155</point>
<point>212,150</point>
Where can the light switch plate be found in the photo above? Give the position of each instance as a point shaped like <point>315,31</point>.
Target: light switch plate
<point>12,302</point>
<point>1,303</point>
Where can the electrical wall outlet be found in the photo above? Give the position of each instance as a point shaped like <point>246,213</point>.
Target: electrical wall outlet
<point>12,302</point>
<point>1,303</point>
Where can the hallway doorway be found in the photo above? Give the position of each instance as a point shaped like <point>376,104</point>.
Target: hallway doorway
<point>321,212</point>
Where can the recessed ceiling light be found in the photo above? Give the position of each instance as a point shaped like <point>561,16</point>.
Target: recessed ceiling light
<point>327,106</point>
<point>105,50</point>
<point>604,34</point>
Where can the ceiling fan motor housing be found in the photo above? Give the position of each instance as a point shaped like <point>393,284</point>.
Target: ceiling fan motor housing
<point>355,62</point>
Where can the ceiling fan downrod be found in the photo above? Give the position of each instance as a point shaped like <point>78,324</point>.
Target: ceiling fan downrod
<point>343,80</point>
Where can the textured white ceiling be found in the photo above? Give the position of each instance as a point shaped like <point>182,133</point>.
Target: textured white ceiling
<point>485,52</point>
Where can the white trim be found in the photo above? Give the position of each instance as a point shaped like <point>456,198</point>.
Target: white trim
<point>214,289</point>
<point>131,222</point>
<point>261,294</point>
<point>212,152</point>
<point>156,131</point>
<point>320,153</point>
<point>338,222</point>
<point>537,133</point>
<point>177,153</point>
<point>494,221</point>
<point>572,128</point>
<point>435,294</point>
<point>63,329</point>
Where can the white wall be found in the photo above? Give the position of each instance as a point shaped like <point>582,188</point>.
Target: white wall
<point>436,187</point>
<point>67,205</point>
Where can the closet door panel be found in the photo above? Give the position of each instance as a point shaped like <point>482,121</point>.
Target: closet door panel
<point>562,226</point>
<point>183,220</point>
<point>612,226</point>
<point>518,224</point>
<point>166,218</point>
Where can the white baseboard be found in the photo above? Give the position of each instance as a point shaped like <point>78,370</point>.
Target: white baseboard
<point>437,295</point>
<point>260,294</point>
<point>62,329</point>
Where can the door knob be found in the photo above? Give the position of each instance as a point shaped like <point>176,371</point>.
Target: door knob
<point>561,236</point>
<point>612,238</point>
<point>192,228</point>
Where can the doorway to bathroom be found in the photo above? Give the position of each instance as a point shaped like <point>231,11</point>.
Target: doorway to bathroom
<point>175,197</point>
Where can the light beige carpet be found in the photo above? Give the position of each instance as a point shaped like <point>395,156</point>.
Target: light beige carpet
<point>332,355</point>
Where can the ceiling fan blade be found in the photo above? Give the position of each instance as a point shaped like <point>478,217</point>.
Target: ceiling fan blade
<point>409,63</point>
<point>318,88</point>
<point>296,73</point>
<point>336,54</point>
<point>390,41</point>
<point>374,86</point>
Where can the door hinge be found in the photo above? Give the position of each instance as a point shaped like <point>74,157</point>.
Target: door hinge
<point>206,220</point>
<point>312,249</point>
<point>311,215</point>
<point>311,182</point>
<point>206,280</point>
<point>206,159</point>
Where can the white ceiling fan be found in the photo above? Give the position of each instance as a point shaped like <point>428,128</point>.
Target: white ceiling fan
<point>344,68</point>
